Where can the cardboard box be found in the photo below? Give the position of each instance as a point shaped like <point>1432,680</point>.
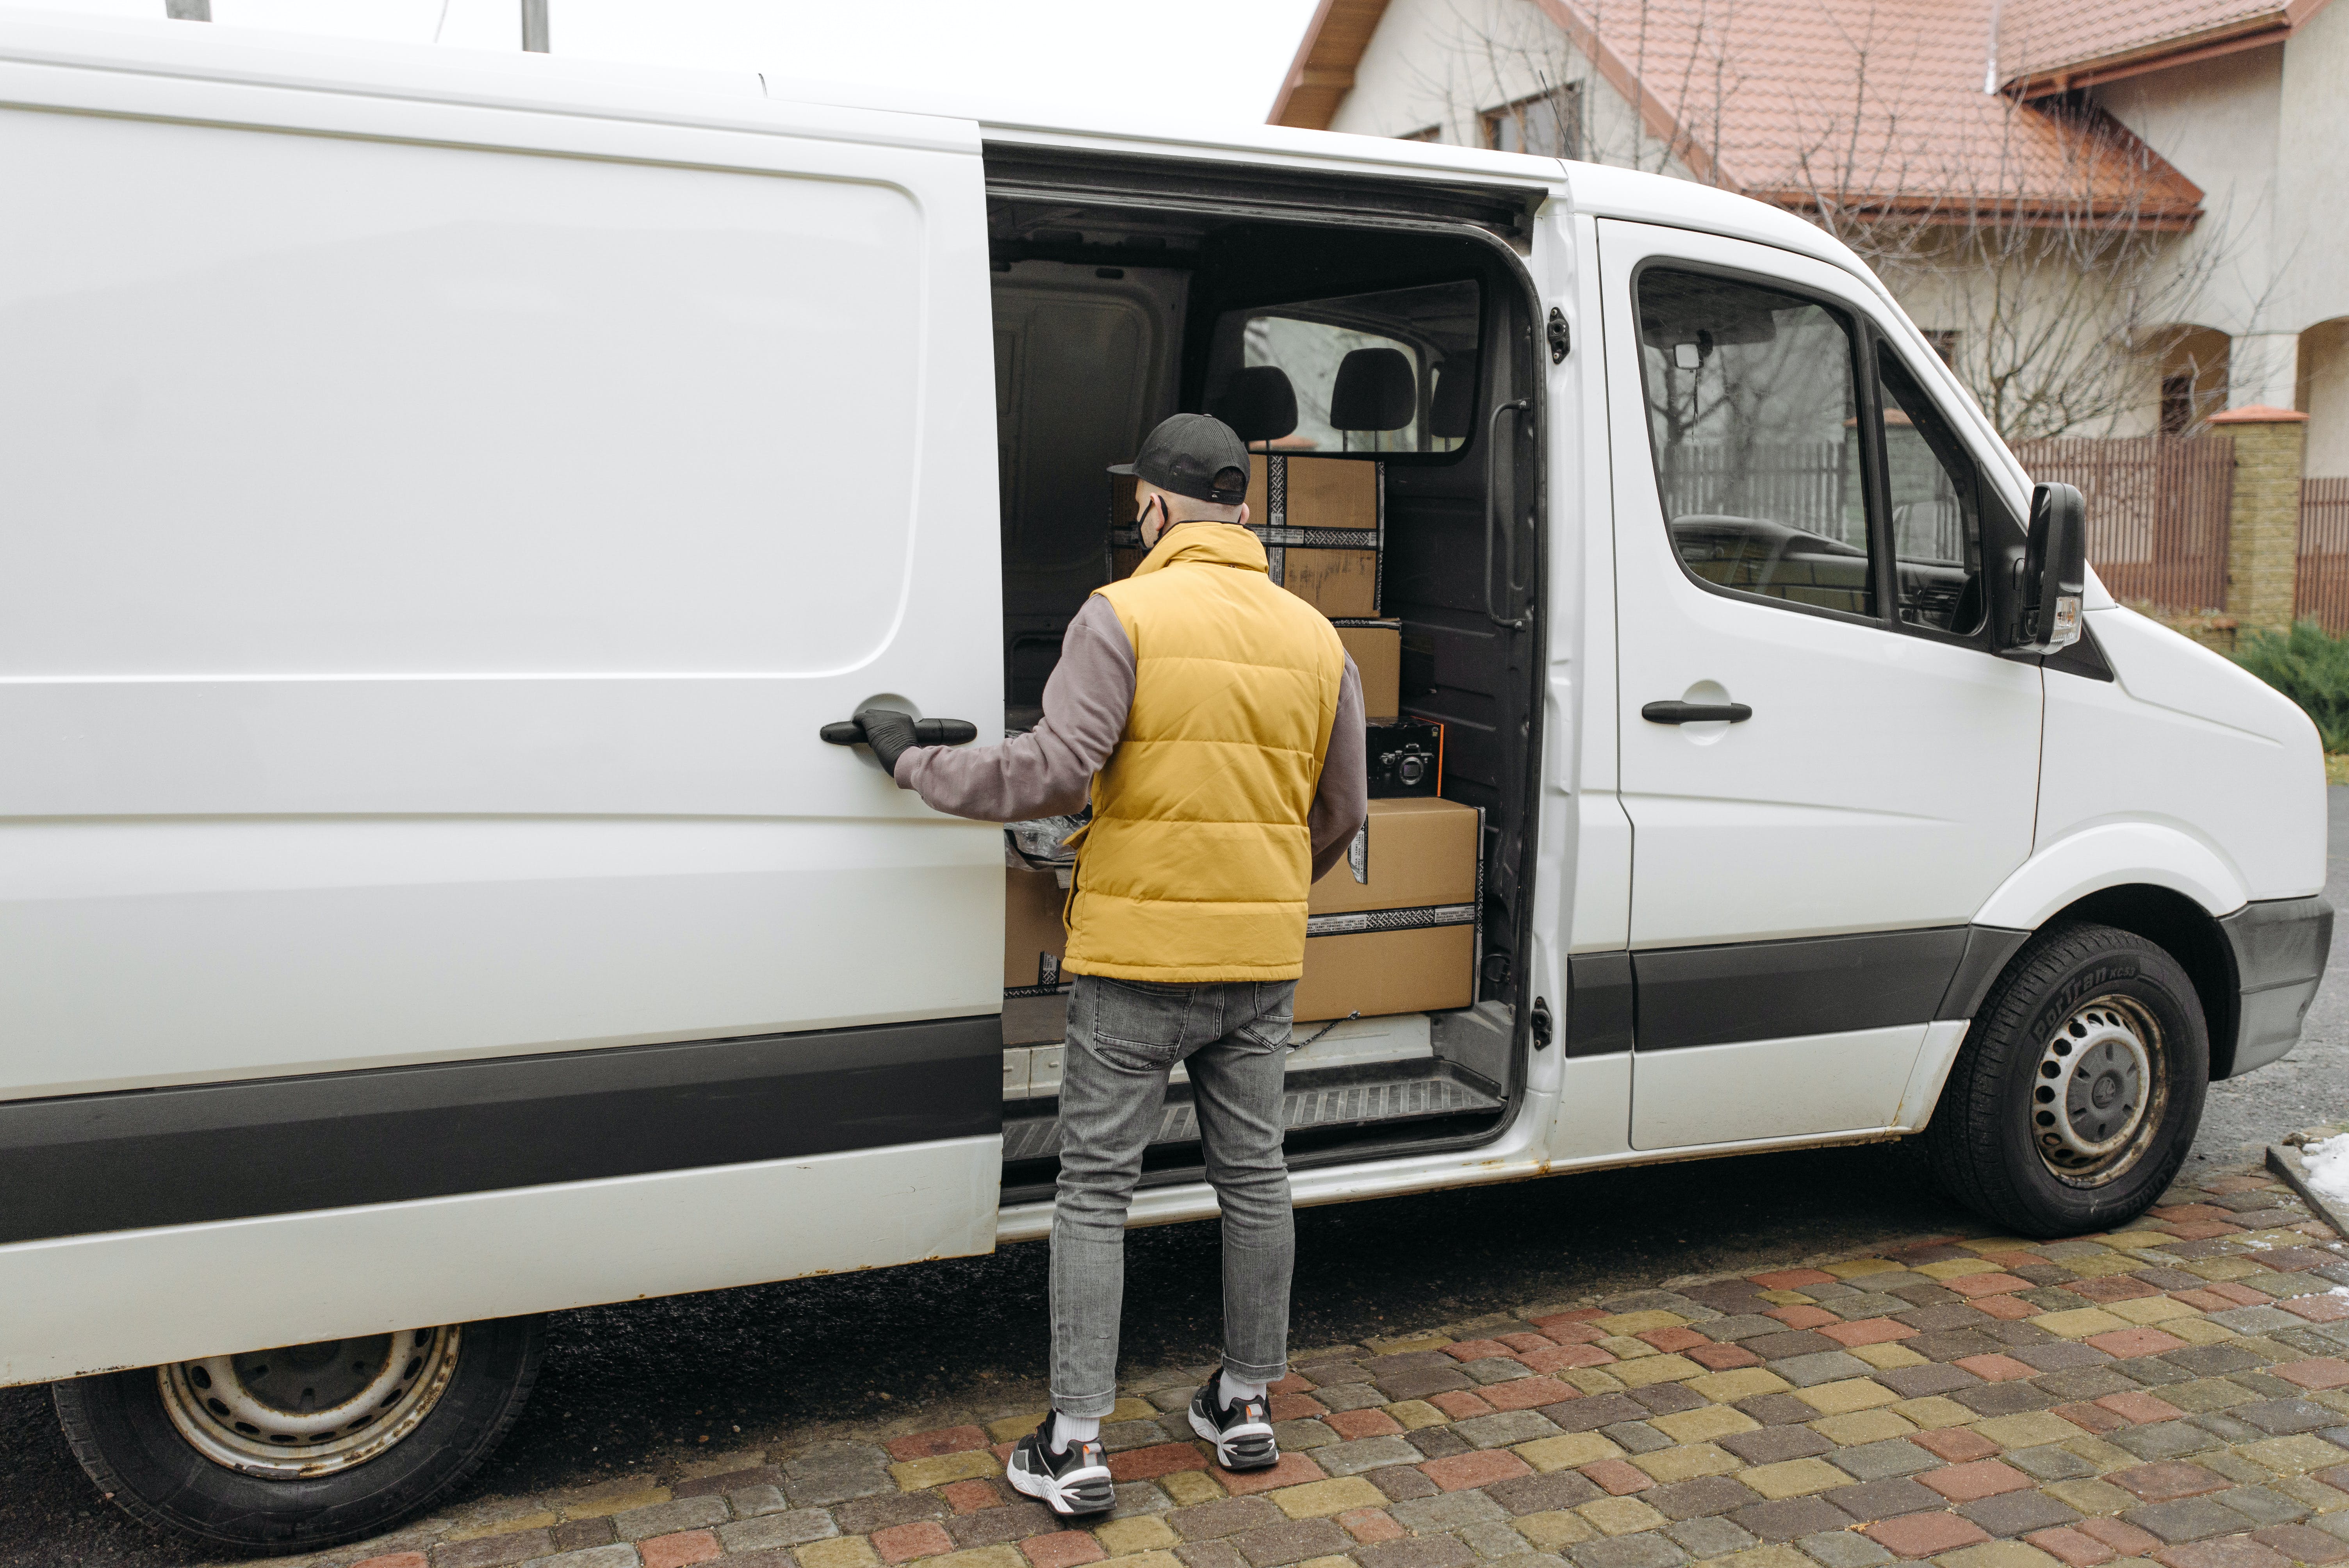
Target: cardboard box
<point>1394,927</point>
<point>1420,971</point>
<point>1034,940</point>
<point>1322,522</point>
<point>1338,583</point>
<point>1377,650</point>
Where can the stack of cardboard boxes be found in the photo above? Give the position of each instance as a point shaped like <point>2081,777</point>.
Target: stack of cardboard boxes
<point>1393,928</point>
<point>1323,524</point>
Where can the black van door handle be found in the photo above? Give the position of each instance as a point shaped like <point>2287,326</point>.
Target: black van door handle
<point>1493,522</point>
<point>927,732</point>
<point>1678,712</point>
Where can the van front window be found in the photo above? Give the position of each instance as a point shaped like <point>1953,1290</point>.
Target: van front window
<point>1751,410</point>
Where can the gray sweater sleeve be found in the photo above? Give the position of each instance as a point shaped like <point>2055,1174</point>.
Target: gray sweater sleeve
<point>1343,802</point>
<point>1049,771</point>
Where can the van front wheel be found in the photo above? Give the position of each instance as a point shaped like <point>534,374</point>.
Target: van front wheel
<point>304,1446</point>
<point>2075,1097</point>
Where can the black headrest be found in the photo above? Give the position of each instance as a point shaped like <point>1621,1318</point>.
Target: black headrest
<point>1452,411</point>
<point>1259,404</point>
<point>1375,390</point>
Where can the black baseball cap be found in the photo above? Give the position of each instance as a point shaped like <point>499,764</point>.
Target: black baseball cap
<point>1193,455</point>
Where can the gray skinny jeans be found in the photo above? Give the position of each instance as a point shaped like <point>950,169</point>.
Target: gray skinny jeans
<point>1124,1037</point>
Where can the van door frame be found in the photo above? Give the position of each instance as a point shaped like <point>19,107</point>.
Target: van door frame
<point>1501,219</point>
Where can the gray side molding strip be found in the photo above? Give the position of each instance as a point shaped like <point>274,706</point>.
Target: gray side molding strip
<point>1988,949</point>
<point>2280,946</point>
<point>84,1163</point>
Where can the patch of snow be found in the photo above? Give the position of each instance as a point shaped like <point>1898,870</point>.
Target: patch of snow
<point>2328,1167</point>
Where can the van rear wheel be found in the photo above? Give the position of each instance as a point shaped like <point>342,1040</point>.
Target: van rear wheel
<point>304,1446</point>
<point>2076,1095</point>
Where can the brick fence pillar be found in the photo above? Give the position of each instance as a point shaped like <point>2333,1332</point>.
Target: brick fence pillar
<point>2263,522</point>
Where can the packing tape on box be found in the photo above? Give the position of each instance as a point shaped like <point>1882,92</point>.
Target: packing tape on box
<point>1362,922</point>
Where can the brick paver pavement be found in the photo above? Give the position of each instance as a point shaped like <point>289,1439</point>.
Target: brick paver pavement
<point>2177,1394</point>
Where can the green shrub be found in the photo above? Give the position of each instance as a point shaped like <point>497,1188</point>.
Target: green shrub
<point>2309,667</point>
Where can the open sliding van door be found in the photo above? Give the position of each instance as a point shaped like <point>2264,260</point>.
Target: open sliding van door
<point>1827,767</point>
<point>447,502</point>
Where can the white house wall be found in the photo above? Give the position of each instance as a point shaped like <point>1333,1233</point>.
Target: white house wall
<point>1442,62</point>
<point>2216,121</point>
<point>2312,184</point>
<point>2325,398</point>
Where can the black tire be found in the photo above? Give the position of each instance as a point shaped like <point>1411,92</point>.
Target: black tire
<point>121,1432</point>
<point>2003,1137</point>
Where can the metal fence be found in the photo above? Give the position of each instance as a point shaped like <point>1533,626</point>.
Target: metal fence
<point>2158,510</point>
<point>2321,583</point>
<point>1798,484</point>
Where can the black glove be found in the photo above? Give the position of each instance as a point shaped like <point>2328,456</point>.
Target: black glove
<point>889,733</point>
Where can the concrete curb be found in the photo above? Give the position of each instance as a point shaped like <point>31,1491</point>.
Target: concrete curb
<point>2286,1162</point>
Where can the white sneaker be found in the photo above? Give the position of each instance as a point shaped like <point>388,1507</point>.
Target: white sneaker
<point>1070,1483</point>
<point>1241,1431</point>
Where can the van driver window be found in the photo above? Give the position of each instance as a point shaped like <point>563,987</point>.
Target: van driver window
<point>1753,413</point>
<point>1936,508</point>
<point>1373,373</point>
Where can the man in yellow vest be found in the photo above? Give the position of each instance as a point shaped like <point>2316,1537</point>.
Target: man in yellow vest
<point>1214,724</point>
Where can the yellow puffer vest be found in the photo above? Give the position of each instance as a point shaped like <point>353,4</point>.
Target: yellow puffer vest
<point>1197,860</point>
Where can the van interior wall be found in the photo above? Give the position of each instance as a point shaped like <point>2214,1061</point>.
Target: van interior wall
<point>1105,323</point>
<point>1086,360</point>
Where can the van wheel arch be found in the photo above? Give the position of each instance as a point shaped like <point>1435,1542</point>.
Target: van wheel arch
<point>2189,934</point>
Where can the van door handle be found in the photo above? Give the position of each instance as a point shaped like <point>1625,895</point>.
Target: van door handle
<point>1678,712</point>
<point>1518,621</point>
<point>927,732</point>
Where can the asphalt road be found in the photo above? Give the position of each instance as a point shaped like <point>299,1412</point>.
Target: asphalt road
<point>628,1386</point>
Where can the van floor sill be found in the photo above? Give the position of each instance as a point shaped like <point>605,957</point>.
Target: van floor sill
<point>1428,1089</point>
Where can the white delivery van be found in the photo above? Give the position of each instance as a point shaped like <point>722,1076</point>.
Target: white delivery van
<point>448,497</point>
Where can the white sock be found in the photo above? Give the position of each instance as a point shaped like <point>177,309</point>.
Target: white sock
<point>1068,1428</point>
<point>1230,1390</point>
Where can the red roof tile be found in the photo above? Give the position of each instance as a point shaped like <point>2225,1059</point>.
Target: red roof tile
<point>1867,102</point>
<point>2049,46</point>
<point>1874,104</point>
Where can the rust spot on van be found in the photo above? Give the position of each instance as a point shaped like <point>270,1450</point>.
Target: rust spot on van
<point>103,1371</point>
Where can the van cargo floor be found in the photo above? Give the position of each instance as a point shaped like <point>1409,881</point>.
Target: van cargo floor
<point>1432,1089</point>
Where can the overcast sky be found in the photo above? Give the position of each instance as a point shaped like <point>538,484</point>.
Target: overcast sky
<point>1212,59</point>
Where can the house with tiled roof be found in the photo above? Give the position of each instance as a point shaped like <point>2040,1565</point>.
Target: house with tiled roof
<point>2190,157</point>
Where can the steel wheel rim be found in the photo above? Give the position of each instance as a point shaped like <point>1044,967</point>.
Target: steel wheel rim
<point>303,1410</point>
<point>2099,1091</point>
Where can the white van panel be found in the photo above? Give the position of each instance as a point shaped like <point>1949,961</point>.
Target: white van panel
<point>87,1303</point>
<point>1935,1057</point>
<point>513,414</point>
<point>431,561</point>
<point>136,953</point>
<point>2192,742</point>
<point>2113,854</point>
<point>1773,1089</point>
<point>1866,747</point>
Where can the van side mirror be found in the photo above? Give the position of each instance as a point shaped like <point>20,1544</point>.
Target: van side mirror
<point>2052,578</point>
